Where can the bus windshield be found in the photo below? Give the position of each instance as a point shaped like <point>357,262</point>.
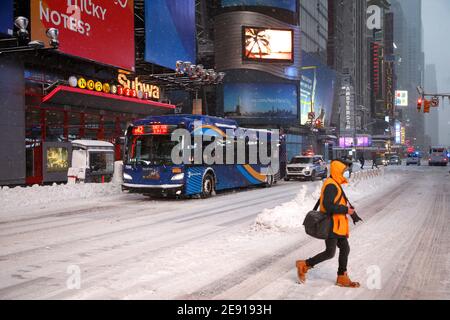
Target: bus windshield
<point>151,150</point>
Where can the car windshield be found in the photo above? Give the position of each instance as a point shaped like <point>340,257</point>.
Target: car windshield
<point>151,150</point>
<point>413,155</point>
<point>301,160</point>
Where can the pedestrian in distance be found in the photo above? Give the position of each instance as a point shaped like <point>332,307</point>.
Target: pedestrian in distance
<point>362,160</point>
<point>374,161</point>
<point>334,202</point>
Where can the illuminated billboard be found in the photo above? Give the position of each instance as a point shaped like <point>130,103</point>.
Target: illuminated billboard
<point>398,132</point>
<point>316,90</point>
<point>401,98</point>
<point>273,101</point>
<point>170,34</point>
<point>57,159</point>
<point>101,31</point>
<point>361,142</point>
<point>262,44</point>
<point>290,5</point>
<point>6,17</point>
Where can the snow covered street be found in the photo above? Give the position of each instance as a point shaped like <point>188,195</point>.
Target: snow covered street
<point>237,245</point>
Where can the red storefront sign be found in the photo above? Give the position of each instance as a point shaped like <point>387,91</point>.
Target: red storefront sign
<point>97,30</point>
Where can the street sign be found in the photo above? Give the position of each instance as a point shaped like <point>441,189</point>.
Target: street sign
<point>435,102</point>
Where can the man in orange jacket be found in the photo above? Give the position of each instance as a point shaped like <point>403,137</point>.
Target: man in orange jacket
<point>334,202</point>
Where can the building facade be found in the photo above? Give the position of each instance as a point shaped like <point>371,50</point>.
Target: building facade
<point>348,54</point>
<point>314,27</point>
<point>58,92</point>
<point>411,67</point>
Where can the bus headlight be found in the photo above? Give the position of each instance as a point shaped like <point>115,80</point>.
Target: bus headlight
<point>126,176</point>
<point>178,177</point>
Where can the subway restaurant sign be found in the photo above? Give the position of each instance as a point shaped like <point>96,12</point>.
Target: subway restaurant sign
<point>125,87</point>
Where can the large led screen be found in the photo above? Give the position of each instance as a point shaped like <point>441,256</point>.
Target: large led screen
<point>57,159</point>
<point>271,101</point>
<point>316,90</point>
<point>290,5</point>
<point>263,44</point>
<point>170,32</point>
<point>101,31</point>
<point>6,17</point>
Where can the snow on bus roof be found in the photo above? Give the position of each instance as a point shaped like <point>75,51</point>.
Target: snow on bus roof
<point>92,143</point>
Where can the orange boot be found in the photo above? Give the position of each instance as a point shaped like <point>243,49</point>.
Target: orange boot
<point>344,281</point>
<point>302,270</point>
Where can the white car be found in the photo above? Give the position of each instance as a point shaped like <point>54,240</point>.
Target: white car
<point>306,167</point>
<point>413,159</point>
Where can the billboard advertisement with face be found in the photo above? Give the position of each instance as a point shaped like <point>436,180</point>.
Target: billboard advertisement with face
<point>316,90</point>
<point>6,17</point>
<point>275,101</point>
<point>170,32</point>
<point>101,31</point>
<point>290,5</point>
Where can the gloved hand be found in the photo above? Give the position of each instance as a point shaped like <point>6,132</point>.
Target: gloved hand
<point>355,218</point>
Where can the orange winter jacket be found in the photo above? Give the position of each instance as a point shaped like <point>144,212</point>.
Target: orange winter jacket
<point>339,216</point>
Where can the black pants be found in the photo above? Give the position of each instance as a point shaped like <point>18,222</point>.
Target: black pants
<point>330,252</point>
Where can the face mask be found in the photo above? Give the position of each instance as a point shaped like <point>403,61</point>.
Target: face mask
<point>347,174</point>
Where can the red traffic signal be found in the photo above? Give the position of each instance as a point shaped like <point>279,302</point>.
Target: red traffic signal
<point>419,104</point>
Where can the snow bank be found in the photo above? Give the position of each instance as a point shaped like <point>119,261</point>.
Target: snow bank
<point>39,195</point>
<point>290,215</point>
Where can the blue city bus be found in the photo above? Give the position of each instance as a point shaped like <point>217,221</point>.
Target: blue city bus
<point>149,167</point>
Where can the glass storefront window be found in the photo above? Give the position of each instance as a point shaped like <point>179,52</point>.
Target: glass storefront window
<point>33,124</point>
<point>55,125</point>
<point>91,125</point>
<point>74,125</point>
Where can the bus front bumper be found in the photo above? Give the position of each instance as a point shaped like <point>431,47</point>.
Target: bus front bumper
<point>168,189</point>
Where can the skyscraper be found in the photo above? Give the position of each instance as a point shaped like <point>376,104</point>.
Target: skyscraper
<point>348,55</point>
<point>314,27</point>
<point>409,37</point>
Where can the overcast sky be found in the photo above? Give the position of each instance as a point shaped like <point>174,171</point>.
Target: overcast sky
<point>436,22</point>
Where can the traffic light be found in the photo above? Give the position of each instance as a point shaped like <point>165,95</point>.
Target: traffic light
<point>318,123</point>
<point>427,106</point>
<point>419,104</point>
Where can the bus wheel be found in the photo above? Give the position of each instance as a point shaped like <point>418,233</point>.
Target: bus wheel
<point>270,181</point>
<point>208,188</point>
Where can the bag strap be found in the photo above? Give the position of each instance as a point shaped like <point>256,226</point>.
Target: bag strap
<point>343,195</point>
<point>317,205</point>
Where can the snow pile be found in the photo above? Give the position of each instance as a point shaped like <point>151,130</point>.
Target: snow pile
<point>291,215</point>
<point>39,195</point>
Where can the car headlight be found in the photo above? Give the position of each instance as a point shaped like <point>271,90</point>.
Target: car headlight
<point>126,176</point>
<point>178,177</point>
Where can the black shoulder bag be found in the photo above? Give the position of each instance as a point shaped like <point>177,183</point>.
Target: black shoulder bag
<point>318,224</point>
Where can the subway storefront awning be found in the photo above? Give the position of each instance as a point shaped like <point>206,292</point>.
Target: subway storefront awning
<point>65,95</point>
